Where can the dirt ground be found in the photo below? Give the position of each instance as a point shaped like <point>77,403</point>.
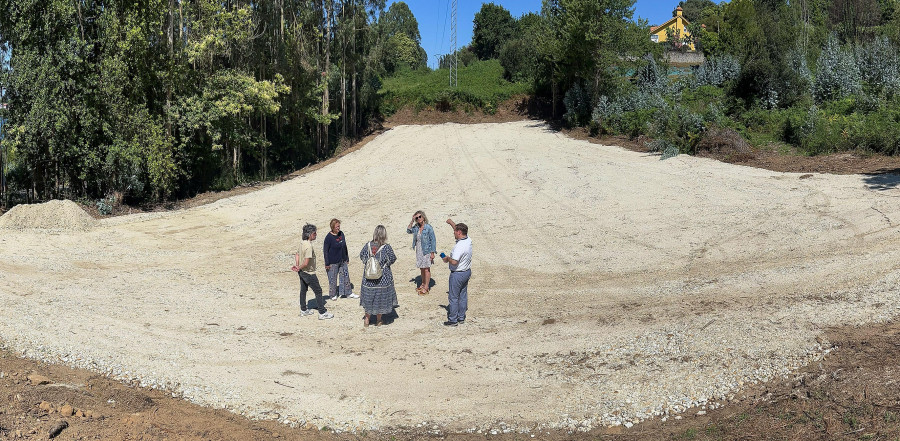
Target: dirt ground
<point>851,393</point>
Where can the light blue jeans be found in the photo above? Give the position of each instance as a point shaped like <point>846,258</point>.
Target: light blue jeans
<point>339,271</point>
<point>458,296</point>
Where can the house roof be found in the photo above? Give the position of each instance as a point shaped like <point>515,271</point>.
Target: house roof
<point>653,29</point>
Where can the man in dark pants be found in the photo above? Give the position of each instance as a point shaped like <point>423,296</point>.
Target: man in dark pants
<point>460,260</point>
<point>305,266</point>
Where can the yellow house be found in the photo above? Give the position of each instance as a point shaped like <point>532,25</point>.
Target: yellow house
<point>677,25</point>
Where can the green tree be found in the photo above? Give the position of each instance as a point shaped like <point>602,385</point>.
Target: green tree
<point>398,19</point>
<point>591,42</point>
<point>402,51</point>
<point>493,27</point>
<point>519,59</point>
<point>693,9</point>
<point>398,32</point>
<point>761,34</point>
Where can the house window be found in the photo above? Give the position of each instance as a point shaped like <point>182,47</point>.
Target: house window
<point>654,38</point>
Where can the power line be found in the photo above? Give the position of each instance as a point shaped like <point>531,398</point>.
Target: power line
<point>454,59</point>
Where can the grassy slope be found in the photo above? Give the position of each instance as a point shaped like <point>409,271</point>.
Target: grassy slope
<point>481,87</point>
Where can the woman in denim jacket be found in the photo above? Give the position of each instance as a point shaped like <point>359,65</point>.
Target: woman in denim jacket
<point>425,245</point>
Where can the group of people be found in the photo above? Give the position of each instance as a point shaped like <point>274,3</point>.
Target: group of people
<point>377,295</point>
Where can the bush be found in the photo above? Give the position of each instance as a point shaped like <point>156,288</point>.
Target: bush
<point>838,75</point>
<point>641,100</point>
<point>636,123</point>
<point>519,60</point>
<point>665,148</point>
<point>650,77</point>
<point>879,66</point>
<point>716,71</point>
<point>578,105</point>
<point>607,115</point>
<point>796,61</point>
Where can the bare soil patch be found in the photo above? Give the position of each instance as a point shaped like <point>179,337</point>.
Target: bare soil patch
<point>850,394</point>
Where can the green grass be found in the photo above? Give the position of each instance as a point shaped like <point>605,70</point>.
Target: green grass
<point>481,87</point>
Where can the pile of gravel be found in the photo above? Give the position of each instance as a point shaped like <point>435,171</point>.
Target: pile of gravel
<point>53,215</point>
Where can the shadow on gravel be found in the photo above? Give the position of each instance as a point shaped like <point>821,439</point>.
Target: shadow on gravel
<point>418,282</point>
<point>887,180</point>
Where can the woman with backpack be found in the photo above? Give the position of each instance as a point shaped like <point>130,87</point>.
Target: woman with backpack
<point>377,295</point>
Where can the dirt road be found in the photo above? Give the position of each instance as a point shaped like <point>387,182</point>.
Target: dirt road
<point>608,286</point>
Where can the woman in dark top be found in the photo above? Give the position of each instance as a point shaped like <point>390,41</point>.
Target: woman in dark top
<point>378,297</point>
<point>336,263</point>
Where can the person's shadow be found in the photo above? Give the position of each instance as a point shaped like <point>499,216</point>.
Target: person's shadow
<point>387,319</point>
<point>418,281</point>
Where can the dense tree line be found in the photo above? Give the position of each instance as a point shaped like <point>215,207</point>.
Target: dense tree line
<point>152,99</point>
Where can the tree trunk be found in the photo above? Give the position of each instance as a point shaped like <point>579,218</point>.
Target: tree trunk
<point>343,101</point>
<point>354,110</point>
<point>262,130</point>
<point>553,87</point>
<point>344,72</point>
<point>171,35</point>
<point>328,10</point>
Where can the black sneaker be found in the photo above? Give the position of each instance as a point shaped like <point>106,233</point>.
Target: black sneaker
<point>461,321</point>
<point>449,323</point>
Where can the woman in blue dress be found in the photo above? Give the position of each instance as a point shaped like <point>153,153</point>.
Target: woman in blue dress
<point>378,297</point>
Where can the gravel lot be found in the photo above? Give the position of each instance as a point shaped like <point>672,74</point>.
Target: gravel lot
<point>608,286</point>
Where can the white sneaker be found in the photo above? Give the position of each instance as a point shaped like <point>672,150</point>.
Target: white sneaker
<point>334,297</point>
<point>353,296</point>
<point>308,312</point>
<point>326,316</point>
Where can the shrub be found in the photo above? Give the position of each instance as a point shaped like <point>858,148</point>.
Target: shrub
<point>796,61</point>
<point>636,123</point>
<point>651,77</point>
<point>641,100</point>
<point>838,75</point>
<point>703,96</point>
<point>713,114</point>
<point>578,105</point>
<point>665,148</point>
<point>519,60</point>
<point>879,66</point>
<point>607,114</point>
<point>715,71</point>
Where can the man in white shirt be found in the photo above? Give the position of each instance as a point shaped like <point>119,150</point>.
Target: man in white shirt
<point>460,260</point>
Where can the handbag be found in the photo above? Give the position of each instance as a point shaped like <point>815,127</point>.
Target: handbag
<point>372,270</point>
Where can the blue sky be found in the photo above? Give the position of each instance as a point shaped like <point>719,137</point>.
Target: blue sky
<point>434,19</point>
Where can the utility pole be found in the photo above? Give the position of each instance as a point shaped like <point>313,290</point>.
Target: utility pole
<point>454,60</point>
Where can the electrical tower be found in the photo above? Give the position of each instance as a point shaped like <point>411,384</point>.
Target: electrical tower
<point>454,61</point>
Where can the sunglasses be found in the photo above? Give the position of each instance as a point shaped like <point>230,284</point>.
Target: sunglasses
<point>418,217</point>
